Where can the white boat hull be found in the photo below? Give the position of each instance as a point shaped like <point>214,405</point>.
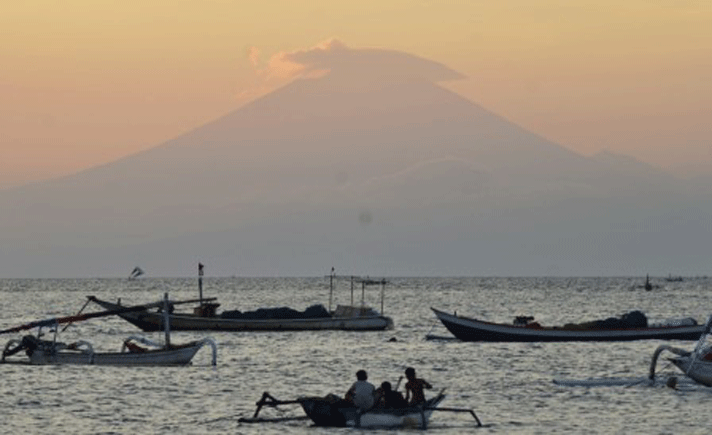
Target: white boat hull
<point>160,357</point>
<point>698,370</point>
<point>375,419</point>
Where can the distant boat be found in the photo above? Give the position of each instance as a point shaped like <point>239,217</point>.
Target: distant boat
<point>671,278</point>
<point>136,272</point>
<point>648,286</point>
<point>526,330</point>
<point>204,318</point>
<point>353,317</point>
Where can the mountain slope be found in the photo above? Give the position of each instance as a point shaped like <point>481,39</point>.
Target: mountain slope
<point>387,168</point>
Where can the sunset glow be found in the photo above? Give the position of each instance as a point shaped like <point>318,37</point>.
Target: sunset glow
<point>86,82</point>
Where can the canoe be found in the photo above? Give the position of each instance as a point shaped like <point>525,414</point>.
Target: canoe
<point>324,412</point>
<point>345,318</point>
<point>50,352</point>
<point>469,329</point>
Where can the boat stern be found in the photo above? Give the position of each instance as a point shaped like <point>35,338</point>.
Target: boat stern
<point>323,411</point>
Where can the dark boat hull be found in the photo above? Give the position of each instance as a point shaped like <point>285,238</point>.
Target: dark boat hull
<point>468,329</point>
<point>326,413</point>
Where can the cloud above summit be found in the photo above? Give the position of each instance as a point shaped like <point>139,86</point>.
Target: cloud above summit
<point>332,56</point>
<point>335,56</point>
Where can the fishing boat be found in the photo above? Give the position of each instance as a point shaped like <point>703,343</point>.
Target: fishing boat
<point>331,411</point>
<point>135,351</point>
<point>525,329</point>
<point>136,272</point>
<point>696,364</point>
<point>52,352</point>
<point>324,413</point>
<point>205,316</point>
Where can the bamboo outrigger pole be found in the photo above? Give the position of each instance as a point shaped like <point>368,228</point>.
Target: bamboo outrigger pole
<point>269,400</point>
<point>77,318</point>
<point>471,411</point>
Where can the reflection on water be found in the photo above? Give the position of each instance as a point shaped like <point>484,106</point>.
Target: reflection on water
<point>510,386</point>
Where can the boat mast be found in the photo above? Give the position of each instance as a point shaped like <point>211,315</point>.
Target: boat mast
<point>166,321</point>
<point>200,283</point>
<point>331,287</point>
<point>363,293</point>
<point>383,292</point>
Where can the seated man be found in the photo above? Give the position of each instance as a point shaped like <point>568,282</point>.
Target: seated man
<point>388,399</point>
<point>361,392</point>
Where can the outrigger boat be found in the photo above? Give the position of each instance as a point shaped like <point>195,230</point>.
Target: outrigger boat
<point>696,364</point>
<point>205,316</point>
<point>331,412</point>
<point>525,329</point>
<point>323,413</point>
<point>46,352</point>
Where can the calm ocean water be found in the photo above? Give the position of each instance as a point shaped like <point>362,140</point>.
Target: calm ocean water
<point>510,386</point>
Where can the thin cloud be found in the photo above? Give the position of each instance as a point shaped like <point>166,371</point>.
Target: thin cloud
<point>253,53</point>
<point>332,56</point>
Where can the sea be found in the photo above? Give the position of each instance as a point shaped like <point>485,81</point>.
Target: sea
<point>511,387</point>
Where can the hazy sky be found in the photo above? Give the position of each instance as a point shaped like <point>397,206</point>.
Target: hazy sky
<point>84,82</point>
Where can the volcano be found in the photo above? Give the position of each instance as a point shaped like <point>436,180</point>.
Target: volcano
<point>372,167</point>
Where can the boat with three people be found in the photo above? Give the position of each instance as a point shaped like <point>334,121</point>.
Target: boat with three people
<point>324,412</point>
<point>332,411</point>
<point>630,326</point>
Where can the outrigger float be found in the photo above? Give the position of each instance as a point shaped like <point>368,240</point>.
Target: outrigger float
<point>695,364</point>
<point>330,412</point>
<point>133,351</point>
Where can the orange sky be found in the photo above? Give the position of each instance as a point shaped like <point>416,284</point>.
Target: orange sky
<point>84,82</point>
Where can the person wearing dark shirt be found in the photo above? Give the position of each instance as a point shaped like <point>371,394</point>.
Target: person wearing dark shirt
<point>414,394</point>
<point>387,398</point>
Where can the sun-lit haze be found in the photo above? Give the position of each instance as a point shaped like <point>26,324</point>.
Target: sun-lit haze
<point>85,82</point>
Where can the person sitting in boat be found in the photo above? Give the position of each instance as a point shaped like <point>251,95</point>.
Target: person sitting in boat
<point>389,399</point>
<point>362,392</point>
<point>414,394</point>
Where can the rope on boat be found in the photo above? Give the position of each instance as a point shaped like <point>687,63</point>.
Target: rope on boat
<point>78,313</point>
